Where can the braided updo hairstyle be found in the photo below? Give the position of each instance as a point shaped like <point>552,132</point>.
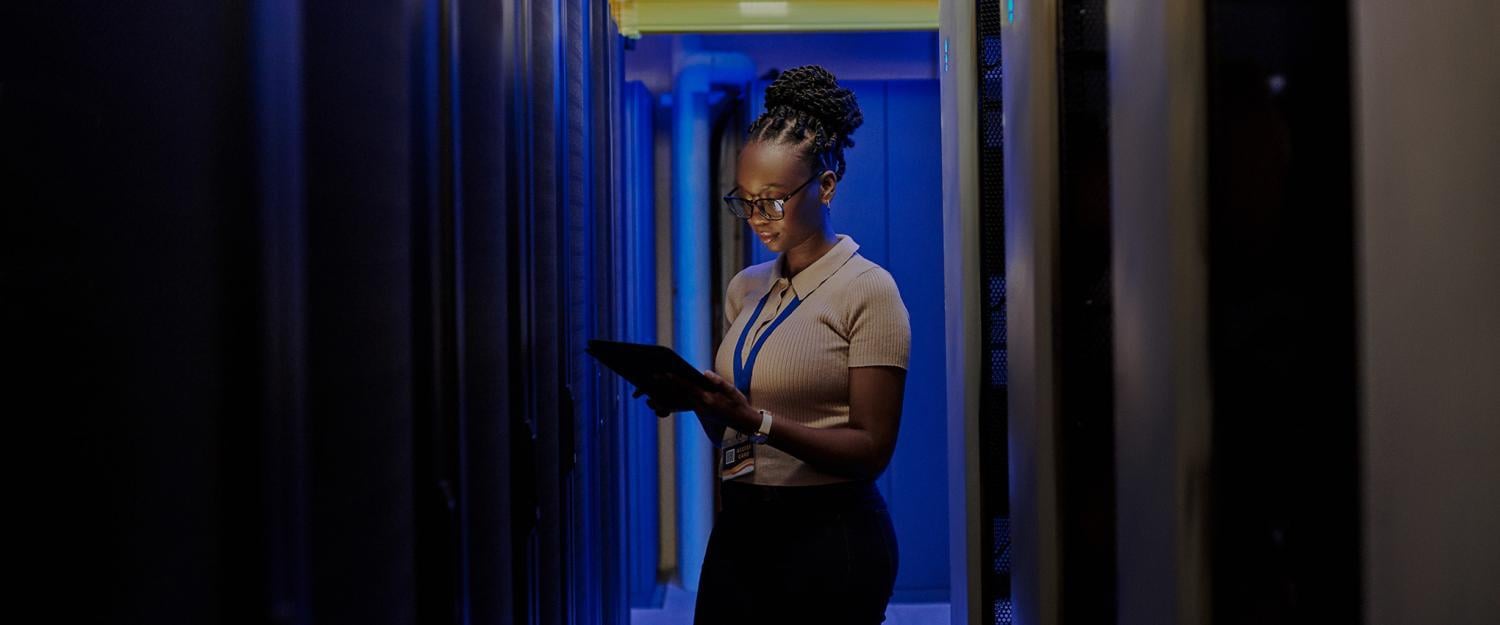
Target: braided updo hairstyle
<point>806,108</point>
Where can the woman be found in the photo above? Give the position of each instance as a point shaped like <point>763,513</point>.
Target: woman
<point>810,380</point>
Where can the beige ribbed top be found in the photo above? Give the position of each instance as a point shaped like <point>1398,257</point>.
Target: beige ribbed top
<point>851,315</point>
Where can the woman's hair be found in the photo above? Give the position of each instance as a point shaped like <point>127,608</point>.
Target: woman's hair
<point>806,108</point>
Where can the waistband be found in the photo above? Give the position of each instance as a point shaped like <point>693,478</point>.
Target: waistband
<point>859,494</point>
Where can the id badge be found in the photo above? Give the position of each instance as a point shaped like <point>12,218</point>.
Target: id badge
<point>737,458</point>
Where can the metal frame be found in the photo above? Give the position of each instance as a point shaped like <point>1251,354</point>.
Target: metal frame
<point>1031,232</point>
<point>1158,182</point>
<point>958,86</point>
<point>487,360</point>
<point>638,260</point>
<point>1426,152</point>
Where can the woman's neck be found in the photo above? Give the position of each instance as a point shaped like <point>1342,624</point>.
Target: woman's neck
<point>803,254</point>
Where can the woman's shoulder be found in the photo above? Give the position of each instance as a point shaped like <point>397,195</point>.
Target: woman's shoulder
<point>870,286</point>
<point>864,273</point>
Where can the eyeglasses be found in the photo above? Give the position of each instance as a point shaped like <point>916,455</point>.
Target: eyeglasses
<point>773,209</point>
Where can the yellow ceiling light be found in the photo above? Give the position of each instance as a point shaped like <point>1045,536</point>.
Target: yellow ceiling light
<point>637,17</point>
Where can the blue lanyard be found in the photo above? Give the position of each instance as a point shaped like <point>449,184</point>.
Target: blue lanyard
<point>743,369</point>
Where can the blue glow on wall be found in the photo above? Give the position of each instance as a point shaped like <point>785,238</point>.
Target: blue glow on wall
<point>697,72</point>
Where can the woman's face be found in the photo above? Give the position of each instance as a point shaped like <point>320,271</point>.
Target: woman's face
<point>771,171</point>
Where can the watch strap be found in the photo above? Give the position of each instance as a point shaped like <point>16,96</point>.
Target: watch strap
<point>764,431</point>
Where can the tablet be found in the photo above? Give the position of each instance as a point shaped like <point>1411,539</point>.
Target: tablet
<point>640,364</point>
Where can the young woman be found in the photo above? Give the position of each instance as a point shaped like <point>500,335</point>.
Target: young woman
<point>810,381</point>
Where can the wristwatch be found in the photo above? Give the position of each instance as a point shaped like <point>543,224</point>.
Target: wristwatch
<point>760,436</point>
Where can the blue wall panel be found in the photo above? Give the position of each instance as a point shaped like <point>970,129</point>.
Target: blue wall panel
<point>859,207</point>
<point>918,476</point>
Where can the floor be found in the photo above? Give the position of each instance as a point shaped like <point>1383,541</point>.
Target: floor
<point>677,609</point>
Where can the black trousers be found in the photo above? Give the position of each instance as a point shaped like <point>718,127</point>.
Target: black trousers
<point>798,554</point>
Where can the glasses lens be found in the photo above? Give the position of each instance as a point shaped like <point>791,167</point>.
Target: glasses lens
<point>738,207</point>
<point>771,209</point>
<point>743,209</point>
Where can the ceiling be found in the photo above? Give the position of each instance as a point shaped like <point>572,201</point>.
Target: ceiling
<point>638,17</point>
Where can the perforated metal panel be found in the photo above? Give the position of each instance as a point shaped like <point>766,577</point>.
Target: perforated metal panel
<point>1002,610</point>
<point>1084,353</point>
<point>993,452</point>
<point>1000,546</point>
<point>995,330</point>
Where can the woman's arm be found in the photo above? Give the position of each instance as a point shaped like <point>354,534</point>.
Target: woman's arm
<point>860,450</point>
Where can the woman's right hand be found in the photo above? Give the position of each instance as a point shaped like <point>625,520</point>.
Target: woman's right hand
<point>665,400</point>
<point>673,394</point>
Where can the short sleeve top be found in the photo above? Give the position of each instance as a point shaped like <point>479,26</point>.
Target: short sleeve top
<point>850,315</point>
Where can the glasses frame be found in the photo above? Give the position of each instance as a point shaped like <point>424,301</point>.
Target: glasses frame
<point>762,204</point>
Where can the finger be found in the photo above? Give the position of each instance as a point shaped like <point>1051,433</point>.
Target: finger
<point>712,376</point>
<point>720,382</point>
<point>727,388</point>
<point>717,379</point>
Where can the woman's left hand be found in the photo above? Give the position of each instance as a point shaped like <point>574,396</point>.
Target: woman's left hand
<point>725,405</point>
